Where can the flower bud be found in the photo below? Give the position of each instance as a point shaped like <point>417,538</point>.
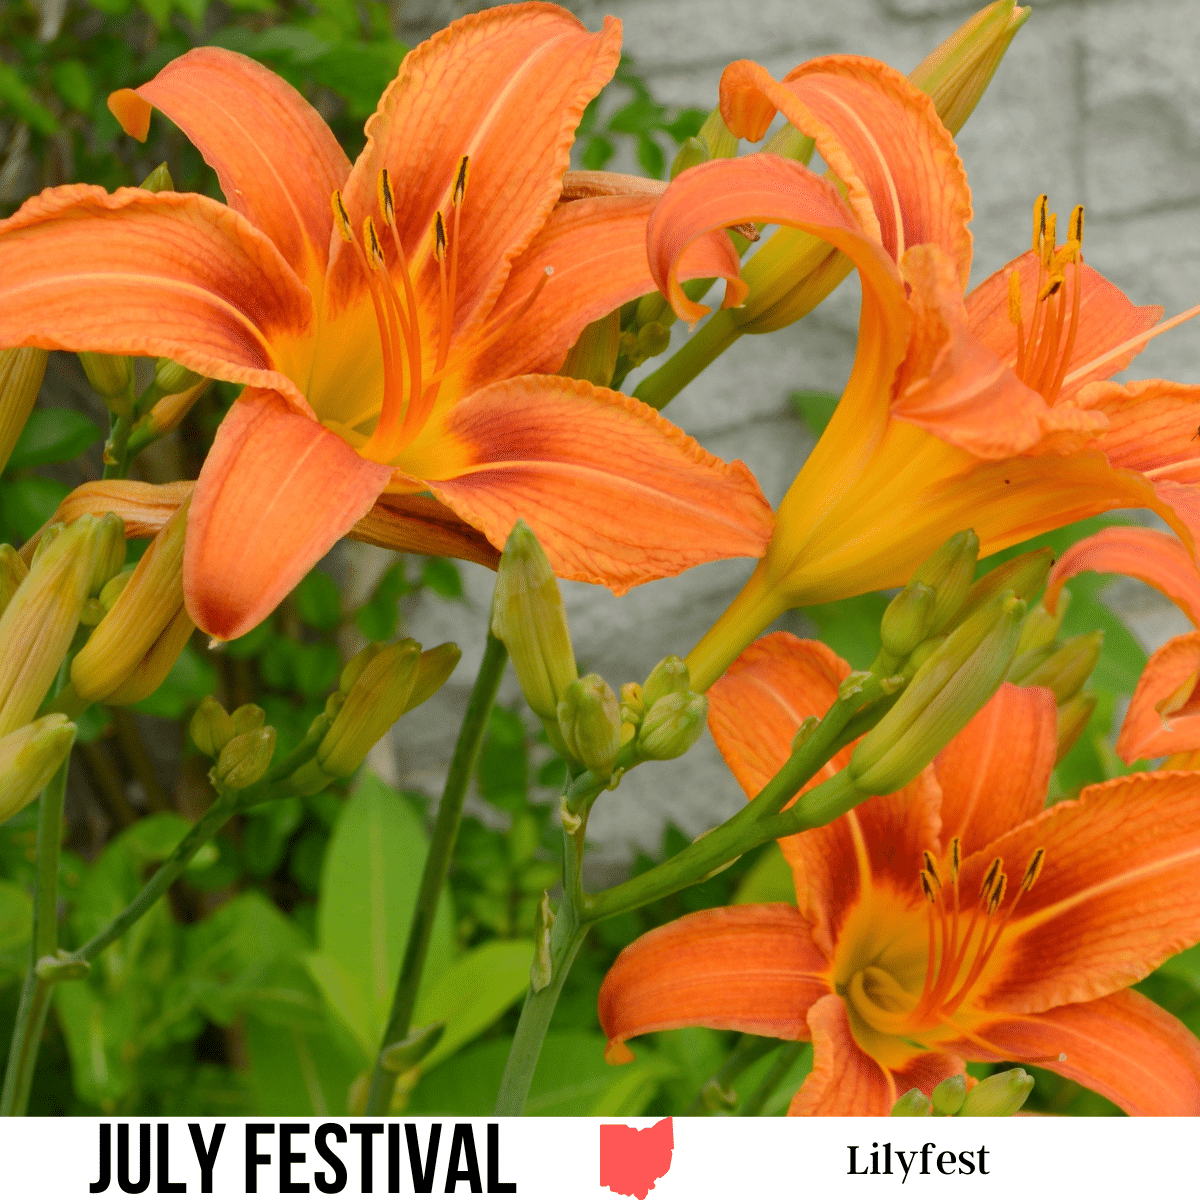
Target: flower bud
<point>114,587</point>
<point>374,703</point>
<point>672,726</point>
<point>21,375</point>
<point>41,618</point>
<point>907,619</point>
<point>434,667</point>
<point>914,1103</point>
<point>653,339</point>
<point>1024,576</point>
<point>29,756</point>
<point>950,571</point>
<point>148,621</point>
<point>247,719</point>
<point>308,780</point>
<point>594,355</point>
<point>956,74</point>
<point>1066,670</point>
<point>669,677</point>
<point>92,613</point>
<point>111,377</point>
<point>12,571</point>
<point>715,135</point>
<point>357,665</point>
<point>108,552</point>
<point>692,152</point>
<point>211,728</point>
<point>1041,629</point>
<point>159,180</point>
<point>945,693</point>
<point>166,414</point>
<point>949,1095</point>
<point>633,703</point>
<point>529,618</point>
<point>244,760</point>
<point>171,377</point>
<point>1073,718</point>
<point>999,1095</point>
<point>589,720</point>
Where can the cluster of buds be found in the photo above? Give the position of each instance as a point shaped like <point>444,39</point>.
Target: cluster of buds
<point>999,1095</point>
<point>239,742</point>
<point>663,717</point>
<point>1044,660</point>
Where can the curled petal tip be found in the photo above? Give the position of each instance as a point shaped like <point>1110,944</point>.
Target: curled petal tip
<point>131,111</point>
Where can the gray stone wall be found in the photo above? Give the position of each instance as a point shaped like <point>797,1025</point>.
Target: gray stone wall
<point>1097,101</point>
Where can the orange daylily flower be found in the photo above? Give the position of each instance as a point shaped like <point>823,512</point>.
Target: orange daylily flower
<point>393,321</point>
<point>956,919</point>
<point>1164,715</point>
<point>987,410</point>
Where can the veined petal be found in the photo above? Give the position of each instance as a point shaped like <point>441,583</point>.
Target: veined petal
<point>1164,714</point>
<point>596,251</point>
<point>505,87</point>
<point>423,525</point>
<point>1115,897</point>
<point>755,708</point>
<point>1155,558</point>
<point>880,135</point>
<point>158,274</point>
<point>586,185</point>
<point>275,493</point>
<point>276,160</point>
<point>982,795</point>
<point>615,493</point>
<point>1123,1046</point>
<point>847,1082</point>
<point>1151,427</point>
<point>752,967</point>
<point>1106,319</point>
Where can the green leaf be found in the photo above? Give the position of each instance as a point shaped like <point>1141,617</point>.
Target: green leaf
<point>296,1074</point>
<point>768,880</point>
<point>378,618</point>
<point>815,409</point>
<point>441,576</point>
<point>189,680</point>
<point>687,124</point>
<point>359,72</point>
<point>316,667</point>
<point>95,1032</point>
<point>73,84</point>
<point>597,152</point>
<point>266,833</point>
<point>319,601</point>
<point>16,921</point>
<point>1184,967</point>
<point>16,96</point>
<point>642,115</point>
<point>368,889</point>
<point>27,504</point>
<point>850,627</point>
<point>650,156</point>
<point>502,773</point>
<point>251,644</point>
<point>159,11</point>
<point>474,992</point>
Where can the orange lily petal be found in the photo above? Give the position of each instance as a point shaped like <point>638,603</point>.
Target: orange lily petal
<point>1151,427</point>
<point>275,493</point>
<point>847,1082</point>
<point>755,708</point>
<point>585,185</point>
<point>982,796</point>
<point>276,161</point>
<point>520,77</point>
<point>1116,895</point>
<point>1164,716</point>
<point>880,135</point>
<point>1106,319</point>
<point>615,493</point>
<point>1155,558</point>
<point>1123,1046</point>
<point>139,273</point>
<point>752,967</point>
<point>422,525</point>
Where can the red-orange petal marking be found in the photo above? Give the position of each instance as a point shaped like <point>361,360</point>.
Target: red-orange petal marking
<point>275,493</point>
<point>1164,714</point>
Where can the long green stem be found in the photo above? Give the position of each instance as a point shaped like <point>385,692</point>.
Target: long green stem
<point>707,343</point>
<point>35,993</point>
<point>784,1061</point>
<point>437,862</point>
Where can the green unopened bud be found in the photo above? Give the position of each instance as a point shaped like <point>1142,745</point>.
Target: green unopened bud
<point>633,703</point>
<point>950,571</point>
<point>956,681</point>
<point>148,675</point>
<point>244,760</point>
<point>529,618</point>
<point>108,552</point>
<point>907,619</point>
<point>957,73</point>
<point>211,727</point>
<point>715,135</point>
<point>594,355</point>
<point>999,1095</point>
<point>653,339</point>
<point>651,308</point>
<point>357,665</point>
<point>1025,663</point>
<point>671,676</point>
<point>111,377</point>
<point>672,726</point>
<point>171,377</point>
<point>949,1095</point>
<point>434,667</point>
<point>1041,629</point>
<point>29,756</point>
<point>589,720</point>
<point>914,1103</point>
<point>92,613</point>
<point>1067,669</point>
<point>247,718</point>
<point>159,180</point>
<point>1025,576</point>
<point>333,705</point>
<point>413,1050</point>
<point>21,375</point>
<point>692,152</point>
<point>12,571</point>
<point>114,587</point>
<point>373,705</point>
<point>789,142</point>
<point>1073,718</point>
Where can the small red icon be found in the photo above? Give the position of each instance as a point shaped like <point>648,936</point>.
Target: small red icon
<point>632,1161</point>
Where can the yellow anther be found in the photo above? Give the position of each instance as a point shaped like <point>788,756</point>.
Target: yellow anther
<point>931,868</point>
<point>1014,306</point>
<point>990,877</point>
<point>1051,286</point>
<point>927,887</point>
<point>386,205</point>
<point>1049,239</point>
<point>340,217</point>
<point>439,236</point>
<point>1066,253</point>
<point>1034,869</point>
<point>460,182</point>
<point>1039,222</point>
<point>1075,225</point>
